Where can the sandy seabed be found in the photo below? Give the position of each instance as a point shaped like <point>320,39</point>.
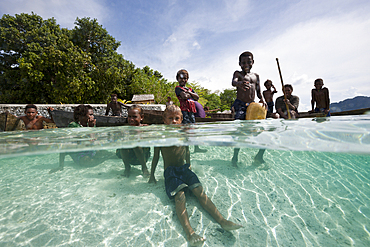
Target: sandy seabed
<point>295,199</point>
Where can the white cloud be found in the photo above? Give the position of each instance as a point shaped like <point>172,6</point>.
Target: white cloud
<point>335,49</point>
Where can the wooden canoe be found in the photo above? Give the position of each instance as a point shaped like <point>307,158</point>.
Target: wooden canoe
<point>63,118</point>
<point>341,113</point>
<point>9,122</point>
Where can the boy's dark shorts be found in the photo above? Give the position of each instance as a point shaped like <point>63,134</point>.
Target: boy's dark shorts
<point>187,117</point>
<point>270,108</point>
<point>178,178</point>
<point>322,110</point>
<point>240,108</point>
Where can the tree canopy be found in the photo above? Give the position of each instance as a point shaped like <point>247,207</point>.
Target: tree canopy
<point>40,62</point>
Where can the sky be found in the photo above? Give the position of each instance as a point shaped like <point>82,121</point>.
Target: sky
<point>311,38</point>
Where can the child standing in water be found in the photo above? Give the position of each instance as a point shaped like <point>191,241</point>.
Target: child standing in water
<point>187,98</point>
<point>247,85</point>
<point>178,176</point>
<point>138,155</point>
<point>268,94</point>
<point>320,95</point>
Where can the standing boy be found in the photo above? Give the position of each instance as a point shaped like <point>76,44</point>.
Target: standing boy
<point>178,176</point>
<point>187,98</point>
<point>269,96</point>
<point>247,84</point>
<point>320,95</point>
<point>32,120</point>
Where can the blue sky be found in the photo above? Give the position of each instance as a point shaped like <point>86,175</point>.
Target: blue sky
<point>312,38</point>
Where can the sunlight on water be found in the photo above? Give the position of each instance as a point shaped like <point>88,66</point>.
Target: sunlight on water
<point>312,190</point>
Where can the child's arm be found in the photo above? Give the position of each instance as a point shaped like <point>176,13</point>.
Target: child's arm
<point>236,82</point>
<point>313,100</point>
<point>154,164</point>
<point>264,95</point>
<point>258,90</point>
<point>187,155</point>
<point>327,99</point>
<point>275,91</point>
<point>193,95</point>
<point>189,94</point>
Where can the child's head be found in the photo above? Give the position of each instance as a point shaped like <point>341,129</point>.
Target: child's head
<point>246,61</point>
<point>30,111</point>
<point>245,54</point>
<point>182,77</point>
<point>268,84</point>
<point>79,113</point>
<point>90,112</point>
<point>288,89</point>
<point>319,83</point>
<point>114,97</point>
<point>135,115</point>
<point>172,115</point>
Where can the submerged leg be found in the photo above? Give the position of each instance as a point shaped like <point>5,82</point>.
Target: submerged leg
<point>208,205</point>
<point>259,157</point>
<point>234,160</point>
<point>141,157</point>
<point>180,202</point>
<point>126,162</point>
<point>61,163</point>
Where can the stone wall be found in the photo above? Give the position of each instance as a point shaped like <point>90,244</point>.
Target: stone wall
<point>99,109</point>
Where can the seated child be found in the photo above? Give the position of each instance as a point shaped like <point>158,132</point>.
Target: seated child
<point>178,177</point>
<point>138,155</point>
<point>32,120</point>
<point>83,116</point>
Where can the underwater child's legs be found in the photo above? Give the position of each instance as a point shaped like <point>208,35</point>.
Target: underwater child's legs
<point>182,214</point>
<point>208,205</point>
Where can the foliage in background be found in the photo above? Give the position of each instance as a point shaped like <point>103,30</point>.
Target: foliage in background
<point>40,62</point>
<point>227,98</point>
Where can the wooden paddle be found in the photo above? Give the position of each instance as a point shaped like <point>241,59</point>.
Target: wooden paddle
<point>282,85</point>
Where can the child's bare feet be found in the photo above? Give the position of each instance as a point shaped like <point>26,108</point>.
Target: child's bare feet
<point>56,169</point>
<point>195,240</point>
<point>145,172</point>
<point>229,225</point>
<point>127,171</point>
<point>234,161</point>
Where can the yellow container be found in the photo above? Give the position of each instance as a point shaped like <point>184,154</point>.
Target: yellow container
<point>255,111</point>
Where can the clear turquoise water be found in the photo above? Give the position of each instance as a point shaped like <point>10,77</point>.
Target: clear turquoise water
<point>313,189</point>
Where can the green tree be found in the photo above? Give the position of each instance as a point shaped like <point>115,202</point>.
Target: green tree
<point>147,81</point>
<point>39,63</point>
<point>109,71</point>
<point>227,98</point>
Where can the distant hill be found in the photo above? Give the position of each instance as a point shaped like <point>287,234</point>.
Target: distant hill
<point>351,104</point>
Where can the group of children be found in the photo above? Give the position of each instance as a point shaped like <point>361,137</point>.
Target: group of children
<point>177,170</point>
<point>247,85</point>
